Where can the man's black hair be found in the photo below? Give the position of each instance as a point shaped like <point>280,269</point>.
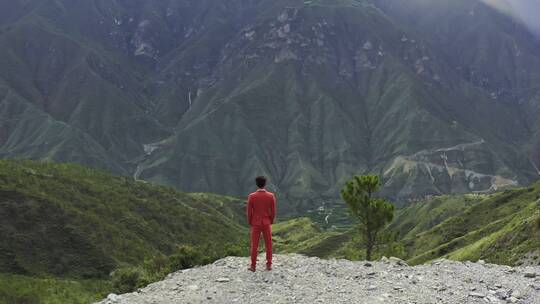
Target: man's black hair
<point>260,181</point>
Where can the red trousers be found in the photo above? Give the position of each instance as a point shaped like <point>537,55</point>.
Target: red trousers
<point>255,237</point>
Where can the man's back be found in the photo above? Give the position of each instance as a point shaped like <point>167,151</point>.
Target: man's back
<point>261,211</point>
<point>261,208</point>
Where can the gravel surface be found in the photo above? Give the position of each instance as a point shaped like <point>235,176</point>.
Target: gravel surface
<point>300,279</point>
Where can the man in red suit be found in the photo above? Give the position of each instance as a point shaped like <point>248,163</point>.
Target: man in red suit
<point>261,212</point>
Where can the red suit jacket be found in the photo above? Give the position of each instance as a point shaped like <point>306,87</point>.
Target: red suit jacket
<point>261,208</point>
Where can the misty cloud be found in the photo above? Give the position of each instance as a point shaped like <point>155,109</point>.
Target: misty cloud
<point>527,11</point>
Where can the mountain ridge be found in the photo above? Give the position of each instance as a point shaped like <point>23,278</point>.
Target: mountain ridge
<point>203,95</point>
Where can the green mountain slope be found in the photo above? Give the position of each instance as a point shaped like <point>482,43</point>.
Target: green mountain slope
<point>67,220</point>
<point>437,97</point>
<point>502,228</point>
<point>65,228</point>
<point>303,236</point>
<point>325,82</point>
<point>29,290</point>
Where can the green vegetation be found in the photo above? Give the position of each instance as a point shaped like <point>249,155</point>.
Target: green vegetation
<point>306,92</point>
<point>325,88</point>
<point>155,268</point>
<point>502,228</point>
<point>428,213</point>
<point>83,222</point>
<point>373,213</point>
<point>302,235</point>
<point>91,232</point>
<point>18,289</point>
<point>75,223</point>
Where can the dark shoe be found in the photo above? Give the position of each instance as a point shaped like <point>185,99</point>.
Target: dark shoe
<point>252,269</point>
<point>269,267</point>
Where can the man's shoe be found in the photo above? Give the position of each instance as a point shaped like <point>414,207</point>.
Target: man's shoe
<point>252,269</point>
<point>268,267</point>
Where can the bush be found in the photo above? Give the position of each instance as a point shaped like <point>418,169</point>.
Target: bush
<point>239,250</point>
<point>185,256</point>
<point>157,266</point>
<point>128,279</point>
<point>391,246</point>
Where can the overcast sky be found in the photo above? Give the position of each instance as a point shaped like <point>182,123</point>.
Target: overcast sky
<point>526,10</point>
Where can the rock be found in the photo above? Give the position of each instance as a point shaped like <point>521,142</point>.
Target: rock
<point>516,294</point>
<point>512,300</point>
<point>114,298</point>
<point>530,274</point>
<point>438,262</point>
<point>220,263</point>
<point>398,261</point>
<point>368,264</point>
<point>368,46</point>
<point>477,295</point>
<point>303,280</point>
<point>501,295</point>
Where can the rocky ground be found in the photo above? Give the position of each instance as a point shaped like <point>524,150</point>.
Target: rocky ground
<point>300,279</point>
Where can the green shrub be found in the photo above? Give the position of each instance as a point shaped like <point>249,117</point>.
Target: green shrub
<point>157,266</point>
<point>241,249</point>
<point>185,256</point>
<point>128,279</point>
<point>391,246</point>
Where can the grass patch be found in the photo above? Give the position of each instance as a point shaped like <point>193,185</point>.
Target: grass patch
<point>18,289</point>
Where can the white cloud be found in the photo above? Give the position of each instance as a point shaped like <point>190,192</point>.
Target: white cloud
<point>527,11</point>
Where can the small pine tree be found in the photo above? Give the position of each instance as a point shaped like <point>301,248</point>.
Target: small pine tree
<point>373,213</point>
